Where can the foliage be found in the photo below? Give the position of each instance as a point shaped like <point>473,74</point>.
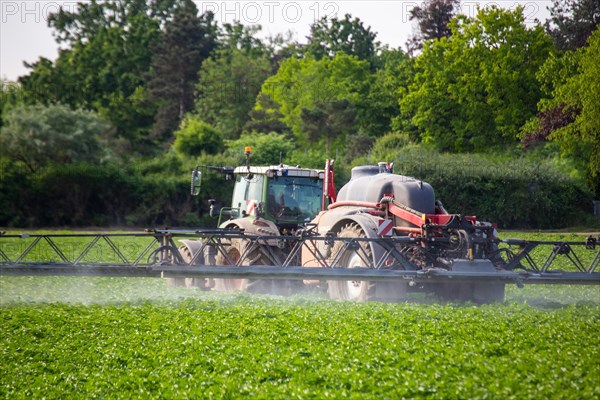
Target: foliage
<point>308,84</point>
<point>572,22</point>
<point>236,346</point>
<point>572,83</point>
<point>196,137</point>
<point>512,192</point>
<point>15,184</point>
<point>133,63</point>
<point>266,116</point>
<point>546,122</point>
<point>228,86</point>
<point>267,149</point>
<point>306,157</point>
<point>240,37</point>
<point>329,37</point>
<point>473,90</point>
<point>329,121</point>
<point>388,146</point>
<point>11,95</point>
<point>389,84</point>
<point>93,195</point>
<point>358,145</point>
<point>433,19</point>
<point>185,42</point>
<point>104,57</point>
<point>39,135</point>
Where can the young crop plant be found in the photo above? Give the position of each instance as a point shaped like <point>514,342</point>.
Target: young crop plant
<point>145,339</point>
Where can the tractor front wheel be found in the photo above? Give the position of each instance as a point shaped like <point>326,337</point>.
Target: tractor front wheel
<point>234,252</point>
<point>186,256</point>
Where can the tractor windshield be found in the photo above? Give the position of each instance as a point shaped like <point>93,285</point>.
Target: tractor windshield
<point>294,199</point>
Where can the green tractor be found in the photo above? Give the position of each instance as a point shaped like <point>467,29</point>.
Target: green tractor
<point>267,201</point>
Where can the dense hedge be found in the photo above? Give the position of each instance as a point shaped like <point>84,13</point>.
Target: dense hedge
<point>514,193</point>
<point>96,195</point>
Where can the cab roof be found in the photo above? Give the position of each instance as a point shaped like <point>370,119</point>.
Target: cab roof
<point>281,170</point>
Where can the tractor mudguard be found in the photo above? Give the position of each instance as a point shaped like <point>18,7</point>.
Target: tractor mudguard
<point>333,221</point>
<point>252,226</point>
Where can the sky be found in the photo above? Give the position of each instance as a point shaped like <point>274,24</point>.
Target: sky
<point>25,36</point>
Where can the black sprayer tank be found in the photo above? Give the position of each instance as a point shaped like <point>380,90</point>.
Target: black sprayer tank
<point>370,183</point>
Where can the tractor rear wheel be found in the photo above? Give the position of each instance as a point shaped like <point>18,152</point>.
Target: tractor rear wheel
<point>360,257</point>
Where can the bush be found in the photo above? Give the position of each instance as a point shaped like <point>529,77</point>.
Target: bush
<point>387,146</point>
<point>196,137</point>
<point>41,135</point>
<point>515,193</point>
<point>267,149</point>
<point>93,195</point>
<point>15,193</point>
<point>149,192</point>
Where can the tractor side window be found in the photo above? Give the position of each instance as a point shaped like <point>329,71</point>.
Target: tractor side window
<point>255,188</point>
<point>247,189</point>
<point>239,193</point>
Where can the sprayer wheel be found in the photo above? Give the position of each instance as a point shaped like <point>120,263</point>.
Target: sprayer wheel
<point>357,258</point>
<point>351,258</point>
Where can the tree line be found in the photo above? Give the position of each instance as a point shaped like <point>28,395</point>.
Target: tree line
<point>138,81</point>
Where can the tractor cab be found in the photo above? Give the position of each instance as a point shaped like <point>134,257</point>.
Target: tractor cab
<point>282,194</point>
<point>276,199</point>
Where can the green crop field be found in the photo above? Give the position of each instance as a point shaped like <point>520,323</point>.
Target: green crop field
<point>130,338</point>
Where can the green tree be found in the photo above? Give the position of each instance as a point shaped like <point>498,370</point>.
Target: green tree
<point>387,147</point>
<point>329,37</point>
<point>104,58</point>
<point>328,121</point>
<point>39,135</point>
<point>267,149</point>
<point>359,145</point>
<point>196,137</point>
<point>569,112</point>
<point>283,46</point>
<point>266,116</point>
<point>228,87</point>
<point>308,84</point>
<point>11,95</point>
<point>237,36</point>
<point>186,41</point>
<point>389,85</point>
<point>476,88</point>
<point>230,81</point>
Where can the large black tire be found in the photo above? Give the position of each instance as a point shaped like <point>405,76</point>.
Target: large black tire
<point>234,251</point>
<point>257,256</point>
<point>186,282</point>
<point>356,258</point>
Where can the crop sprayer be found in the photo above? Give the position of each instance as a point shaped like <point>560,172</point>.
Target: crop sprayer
<point>381,237</point>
